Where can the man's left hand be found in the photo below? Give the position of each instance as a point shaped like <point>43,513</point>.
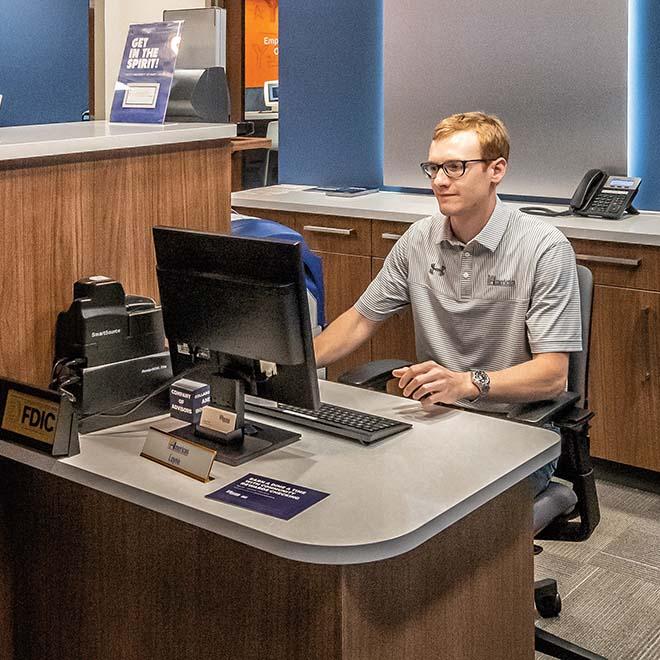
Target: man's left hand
<point>430,383</point>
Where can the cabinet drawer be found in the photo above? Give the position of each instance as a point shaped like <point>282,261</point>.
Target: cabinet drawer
<point>620,264</point>
<point>384,235</point>
<point>332,233</point>
<point>283,217</point>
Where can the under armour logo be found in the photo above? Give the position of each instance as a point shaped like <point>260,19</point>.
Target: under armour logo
<point>435,269</point>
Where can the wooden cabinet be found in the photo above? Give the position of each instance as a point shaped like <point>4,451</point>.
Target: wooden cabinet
<point>346,277</point>
<point>624,377</point>
<point>396,337</point>
<point>624,380</point>
<point>69,216</point>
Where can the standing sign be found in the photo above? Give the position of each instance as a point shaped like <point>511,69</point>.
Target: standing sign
<point>145,76</point>
<point>37,418</point>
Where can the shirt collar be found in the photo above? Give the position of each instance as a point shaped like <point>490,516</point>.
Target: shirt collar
<point>489,237</point>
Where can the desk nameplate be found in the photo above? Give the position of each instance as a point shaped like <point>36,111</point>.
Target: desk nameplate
<point>184,456</point>
<point>37,418</point>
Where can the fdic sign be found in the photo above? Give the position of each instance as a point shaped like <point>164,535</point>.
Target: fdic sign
<point>38,418</point>
<point>31,416</point>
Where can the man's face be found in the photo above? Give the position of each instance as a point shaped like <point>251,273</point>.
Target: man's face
<point>472,191</point>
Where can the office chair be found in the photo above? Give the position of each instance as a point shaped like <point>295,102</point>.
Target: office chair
<point>272,132</point>
<point>561,512</point>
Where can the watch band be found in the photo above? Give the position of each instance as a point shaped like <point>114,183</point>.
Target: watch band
<point>481,380</point>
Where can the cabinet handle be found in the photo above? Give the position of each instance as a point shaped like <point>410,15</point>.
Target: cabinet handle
<point>328,230</point>
<point>646,319</point>
<point>612,261</point>
<point>390,237</point>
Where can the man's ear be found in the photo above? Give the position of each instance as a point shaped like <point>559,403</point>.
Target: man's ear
<point>498,168</point>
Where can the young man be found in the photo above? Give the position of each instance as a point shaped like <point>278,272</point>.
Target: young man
<point>493,291</point>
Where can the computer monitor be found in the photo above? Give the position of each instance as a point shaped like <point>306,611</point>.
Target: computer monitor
<point>235,312</point>
<point>272,94</point>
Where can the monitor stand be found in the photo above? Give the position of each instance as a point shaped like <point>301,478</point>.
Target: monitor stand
<point>248,440</point>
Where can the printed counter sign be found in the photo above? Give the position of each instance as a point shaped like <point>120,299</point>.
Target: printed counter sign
<point>30,416</point>
<point>271,497</point>
<point>145,76</point>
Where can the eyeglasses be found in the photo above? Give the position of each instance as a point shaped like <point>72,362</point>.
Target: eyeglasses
<point>454,169</point>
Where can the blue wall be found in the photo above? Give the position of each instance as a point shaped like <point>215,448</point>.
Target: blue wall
<point>331,84</point>
<point>43,61</point>
<point>644,100</point>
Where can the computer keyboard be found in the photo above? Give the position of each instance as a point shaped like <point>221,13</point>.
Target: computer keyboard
<point>345,422</point>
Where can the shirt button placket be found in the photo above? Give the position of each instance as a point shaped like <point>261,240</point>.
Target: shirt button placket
<point>466,276</point>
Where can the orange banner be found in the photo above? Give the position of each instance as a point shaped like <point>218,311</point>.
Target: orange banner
<point>261,42</point>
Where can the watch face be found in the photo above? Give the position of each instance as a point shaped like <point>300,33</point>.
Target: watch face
<point>481,380</point>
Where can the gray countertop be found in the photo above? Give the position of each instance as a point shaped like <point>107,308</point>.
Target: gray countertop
<point>38,141</point>
<point>385,499</point>
<point>643,229</point>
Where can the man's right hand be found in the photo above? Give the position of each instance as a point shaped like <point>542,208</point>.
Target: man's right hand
<point>431,383</point>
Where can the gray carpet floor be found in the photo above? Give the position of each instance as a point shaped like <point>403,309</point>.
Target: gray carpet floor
<point>610,584</point>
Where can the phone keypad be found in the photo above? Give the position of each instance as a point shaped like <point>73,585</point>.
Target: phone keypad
<point>610,205</point>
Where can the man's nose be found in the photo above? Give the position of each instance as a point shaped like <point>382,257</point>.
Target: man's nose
<point>441,178</point>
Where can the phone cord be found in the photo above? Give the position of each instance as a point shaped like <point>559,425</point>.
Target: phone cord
<point>540,210</point>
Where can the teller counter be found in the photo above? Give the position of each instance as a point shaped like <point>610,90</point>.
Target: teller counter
<point>80,199</point>
<point>113,555</point>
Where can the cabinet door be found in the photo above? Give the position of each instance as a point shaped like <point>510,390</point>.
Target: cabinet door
<point>396,337</point>
<point>346,276</point>
<point>624,379</point>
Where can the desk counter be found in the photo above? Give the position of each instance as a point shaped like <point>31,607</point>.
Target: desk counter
<point>111,555</point>
<point>385,499</point>
<point>643,229</point>
<point>20,142</point>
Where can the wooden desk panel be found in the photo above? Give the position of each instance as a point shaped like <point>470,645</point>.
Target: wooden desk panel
<point>6,570</point>
<point>101,578</point>
<point>68,217</point>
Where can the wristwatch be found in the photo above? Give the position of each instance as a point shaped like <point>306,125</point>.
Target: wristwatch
<point>481,380</point>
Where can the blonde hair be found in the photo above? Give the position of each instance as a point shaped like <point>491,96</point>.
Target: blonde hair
<point>492,133</point>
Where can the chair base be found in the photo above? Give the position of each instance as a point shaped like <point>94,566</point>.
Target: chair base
<point>545,642</point>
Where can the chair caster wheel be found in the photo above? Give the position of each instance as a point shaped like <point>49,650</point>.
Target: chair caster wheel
<point>548,605</point>
<point>547,598</point>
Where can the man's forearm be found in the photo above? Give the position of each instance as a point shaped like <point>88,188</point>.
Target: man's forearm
<point>343,336</point>
<point>542,378</point>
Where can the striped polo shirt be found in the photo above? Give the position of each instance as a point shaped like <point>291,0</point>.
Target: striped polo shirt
<point>511,292</point>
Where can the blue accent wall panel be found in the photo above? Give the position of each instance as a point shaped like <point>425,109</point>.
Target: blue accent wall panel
<point>43,61</point>
<point>644,100</point>
<point>331,88</point>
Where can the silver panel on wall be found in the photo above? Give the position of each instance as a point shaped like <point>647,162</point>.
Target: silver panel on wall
<point>553,70</point>
<point>203,37</point>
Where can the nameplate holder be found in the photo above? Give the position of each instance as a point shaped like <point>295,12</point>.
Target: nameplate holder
<point>183,456</point>
<point>218,419</point>
<point>38,418</point>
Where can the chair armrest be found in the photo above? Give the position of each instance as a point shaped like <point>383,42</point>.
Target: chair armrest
<point>542,412</point>
<point>372,375</point>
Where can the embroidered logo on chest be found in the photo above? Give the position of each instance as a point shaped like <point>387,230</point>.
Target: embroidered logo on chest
<point>439,271</point>
<point>493,281</point>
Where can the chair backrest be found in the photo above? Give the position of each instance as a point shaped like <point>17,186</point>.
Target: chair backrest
<point>578,364</point>
<point>273,132</point>
<point>555,508</point>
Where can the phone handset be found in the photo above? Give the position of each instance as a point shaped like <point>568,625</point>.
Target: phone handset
<point>598,195</point>
<point>587,189</point>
